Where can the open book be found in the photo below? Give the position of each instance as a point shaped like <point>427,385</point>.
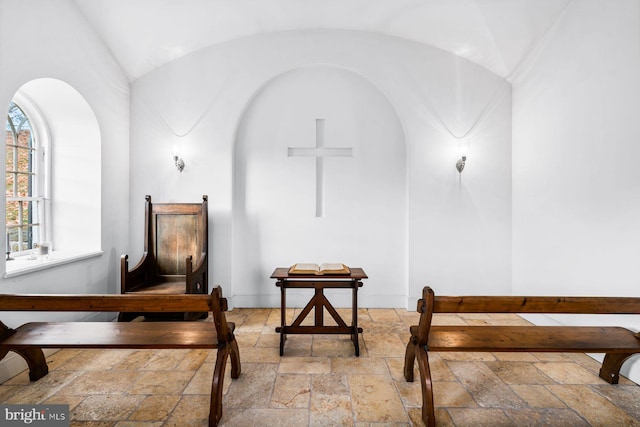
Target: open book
<point>326,268</point>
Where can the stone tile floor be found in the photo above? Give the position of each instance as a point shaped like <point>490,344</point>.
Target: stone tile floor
<point>319,382</point>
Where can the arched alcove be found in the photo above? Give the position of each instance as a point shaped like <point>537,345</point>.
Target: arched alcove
<point>350,206</point>
<point>72,166</point>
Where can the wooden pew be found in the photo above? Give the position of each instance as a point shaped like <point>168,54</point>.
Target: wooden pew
<point>29,339</point>
<point>617,343</point>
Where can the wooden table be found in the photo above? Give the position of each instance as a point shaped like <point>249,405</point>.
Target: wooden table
<point>318,302</point>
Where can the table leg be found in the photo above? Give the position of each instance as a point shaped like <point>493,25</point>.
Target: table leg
<point>354,318</point>
<point>283,316</point>
<point>319,307</point>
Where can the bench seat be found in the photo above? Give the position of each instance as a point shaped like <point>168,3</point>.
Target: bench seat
<point>165,287</point>
<point>569,339</point>
<point>107,335</point>
<point>29,339</point>
<point>617,343</point>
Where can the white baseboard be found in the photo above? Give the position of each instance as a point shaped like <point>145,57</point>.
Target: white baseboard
<point>13,364</point>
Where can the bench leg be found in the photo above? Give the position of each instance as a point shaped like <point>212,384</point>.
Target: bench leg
<point>234,355</point>
<point>610,370</point>
<point>229,350</point>
<point>35,359</point>
<point>33,356</point>
<point>428,408</point>
<point>409,360</point>
<point>215,410</point>
<point>413,353</point>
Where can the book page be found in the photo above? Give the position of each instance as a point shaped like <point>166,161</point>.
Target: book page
<point>305,268</point>
<point>334,268</point>
<point>325,268</point>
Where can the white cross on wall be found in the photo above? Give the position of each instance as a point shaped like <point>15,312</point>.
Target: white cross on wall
<point>319,152</point>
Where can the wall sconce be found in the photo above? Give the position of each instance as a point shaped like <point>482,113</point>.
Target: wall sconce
<point>463,148</point>
<point>177,160</point>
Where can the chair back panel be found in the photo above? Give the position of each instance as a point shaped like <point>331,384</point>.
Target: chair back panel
<point>177,231</point>
<point>177,237</point>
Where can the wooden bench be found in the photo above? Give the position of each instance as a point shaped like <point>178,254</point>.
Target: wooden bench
<point>29,339</point>
<point>617,343</point>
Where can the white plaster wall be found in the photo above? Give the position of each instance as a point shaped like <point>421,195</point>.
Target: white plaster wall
<point>364,214</point>
<point>74,129</point>
<point>51,39</point>
<point>576,191</point>
<point>199,100</point>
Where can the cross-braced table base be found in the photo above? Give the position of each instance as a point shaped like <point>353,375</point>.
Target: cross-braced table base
<point>318,303</point>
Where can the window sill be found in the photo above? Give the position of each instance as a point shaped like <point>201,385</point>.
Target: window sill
<point>24,265</point>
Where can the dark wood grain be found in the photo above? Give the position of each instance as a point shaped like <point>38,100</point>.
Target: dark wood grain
<point>319,303</point>
<point>138,335</point>
<point>29,339</point>
<point>105,302</point>
<point>536,304</point>
<point>175,256</point>
<point>173,244</point>
<point>617,343</point>
<point>579,339</point>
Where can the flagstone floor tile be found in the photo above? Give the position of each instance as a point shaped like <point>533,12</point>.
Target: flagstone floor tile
<point>319,382</point>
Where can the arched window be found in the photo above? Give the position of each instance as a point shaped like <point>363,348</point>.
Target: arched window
<point>25,180</point>
<point>53,177</point>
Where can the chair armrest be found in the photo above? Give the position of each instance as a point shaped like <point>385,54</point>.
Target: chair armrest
<point>201,266</point>
<point>196,280</point>
<point>138,275</point>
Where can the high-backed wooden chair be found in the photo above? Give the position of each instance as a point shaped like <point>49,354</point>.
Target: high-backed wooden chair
<point>175,255</point>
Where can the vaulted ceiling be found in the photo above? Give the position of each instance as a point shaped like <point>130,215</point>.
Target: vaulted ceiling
<point>497,34</point>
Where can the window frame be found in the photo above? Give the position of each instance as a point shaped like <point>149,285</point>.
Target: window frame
<point>41,169</point>
<point>73,149</point>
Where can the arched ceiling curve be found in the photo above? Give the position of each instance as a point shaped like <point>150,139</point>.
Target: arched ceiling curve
<point>146,34</point>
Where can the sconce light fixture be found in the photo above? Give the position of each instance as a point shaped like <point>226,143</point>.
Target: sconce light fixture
<point>179,163</point>
<point>177,160</point>
<point>463,149</point>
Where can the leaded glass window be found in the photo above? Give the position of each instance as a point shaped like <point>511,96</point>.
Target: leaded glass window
<point>24,201</point>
